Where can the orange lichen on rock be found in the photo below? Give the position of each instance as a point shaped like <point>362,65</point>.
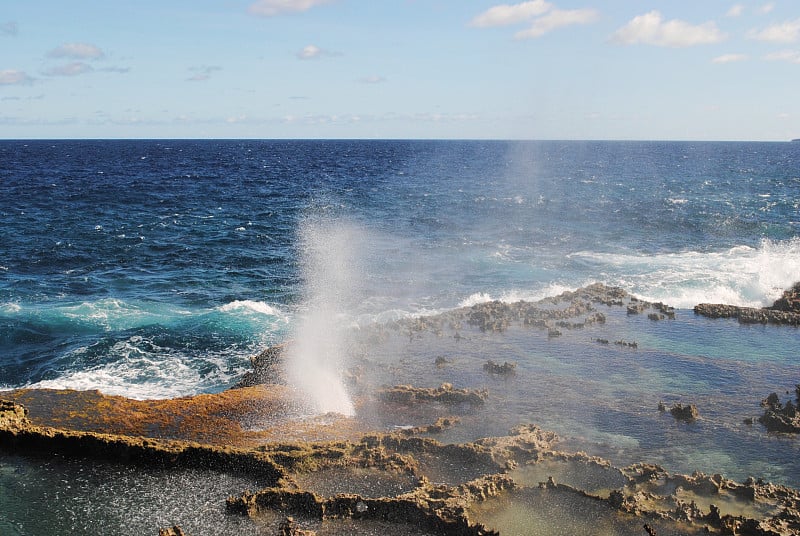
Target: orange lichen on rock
<point>245,417</point>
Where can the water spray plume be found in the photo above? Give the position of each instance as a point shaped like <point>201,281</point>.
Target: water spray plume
<point>318,354</point>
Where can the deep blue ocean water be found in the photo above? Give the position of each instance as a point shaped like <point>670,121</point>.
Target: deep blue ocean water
<point>154,268</point>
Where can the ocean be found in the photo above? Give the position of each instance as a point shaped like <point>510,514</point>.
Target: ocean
<point>155,268</point>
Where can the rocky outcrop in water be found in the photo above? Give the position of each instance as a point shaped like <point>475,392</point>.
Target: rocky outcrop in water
<point>790,301</point>
<point>445,394</point>
<point>496,368</point>
<point>748,315</point>
<point>785,311</point>
<point>267,367</point>
<point>780,417</point>
<point>686,413</point>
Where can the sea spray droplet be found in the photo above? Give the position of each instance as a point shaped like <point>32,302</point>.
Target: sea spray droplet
<point>330,261</point>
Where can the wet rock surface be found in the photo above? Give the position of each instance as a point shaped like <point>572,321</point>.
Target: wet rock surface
<point>790,301</point>
<point>646,492</point>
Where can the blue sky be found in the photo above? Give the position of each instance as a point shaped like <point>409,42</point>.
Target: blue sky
<point>560,69</point>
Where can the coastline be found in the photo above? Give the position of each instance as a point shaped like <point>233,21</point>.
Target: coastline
<point>258,429</point>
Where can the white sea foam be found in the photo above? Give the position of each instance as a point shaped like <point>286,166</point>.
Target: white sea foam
<point>111,314</point>
<point>743,275</point>
<point>10,308</point>
<point>251,306</point>
<point>476,299</point>
<point>517,295</point>
<point>152,374</point>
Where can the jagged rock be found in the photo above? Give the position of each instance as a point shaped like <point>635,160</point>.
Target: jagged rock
<point>445,393</point>
<point>636,308</point>
<point>496,368</point>
<point>779,417</point>
<point>439,508</point>
<point>12,414</point>
<point>687,413</point>
<point>748,315</point>
<point>266,367</point>
<point>790,301</point>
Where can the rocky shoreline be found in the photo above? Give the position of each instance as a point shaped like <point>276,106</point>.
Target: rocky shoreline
<point>254,429</point>
<point>645,492</point>
<point>785,311</point>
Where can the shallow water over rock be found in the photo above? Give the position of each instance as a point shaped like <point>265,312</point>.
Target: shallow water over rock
<point>439,439</point>
<point>364,481</point>
<point>551,512</point>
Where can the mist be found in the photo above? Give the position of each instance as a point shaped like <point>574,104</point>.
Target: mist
<point>332,271</point>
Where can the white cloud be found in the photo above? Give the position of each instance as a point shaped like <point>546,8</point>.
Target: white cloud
<point>310,52</point>
<point>374,79</point>
<point>558,19</point>
<point>81,51</point>
<point>766,8</point>
<point>791,56</point>
<point>70,69</point>
<point>735,11</point>
<point>730,58</point>
<point>505,14</point>
<point>12,77</point>
<point>652,29</point>
<point>786,32</point>
<point>272,8</point>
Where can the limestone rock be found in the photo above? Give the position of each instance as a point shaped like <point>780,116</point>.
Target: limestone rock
<point>687,413</point>
<point>790,301</point>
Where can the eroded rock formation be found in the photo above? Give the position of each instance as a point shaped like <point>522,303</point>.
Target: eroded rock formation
<point>445,394</point>
<point>779,417</point>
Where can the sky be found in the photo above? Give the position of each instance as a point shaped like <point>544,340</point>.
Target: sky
<point>386,69</point>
